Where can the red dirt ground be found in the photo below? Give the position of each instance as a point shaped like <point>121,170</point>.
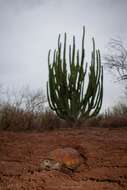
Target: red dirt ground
<point>106,151</point>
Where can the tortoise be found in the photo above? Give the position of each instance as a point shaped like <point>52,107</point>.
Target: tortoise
<point>61,159</point>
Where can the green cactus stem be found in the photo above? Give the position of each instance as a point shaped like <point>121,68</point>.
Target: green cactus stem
<point>68,92</point>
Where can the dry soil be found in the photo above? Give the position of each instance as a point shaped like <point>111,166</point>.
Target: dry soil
<point>105,168</point>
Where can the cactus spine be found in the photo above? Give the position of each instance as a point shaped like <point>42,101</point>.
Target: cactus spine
<point>66,91</point>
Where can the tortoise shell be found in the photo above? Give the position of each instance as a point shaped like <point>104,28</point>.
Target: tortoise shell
<point>68,157</point>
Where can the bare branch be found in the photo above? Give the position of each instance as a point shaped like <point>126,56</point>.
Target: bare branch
<point>117,59</point>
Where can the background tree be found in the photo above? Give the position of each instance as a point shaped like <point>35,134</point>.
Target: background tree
<point>116,60</point>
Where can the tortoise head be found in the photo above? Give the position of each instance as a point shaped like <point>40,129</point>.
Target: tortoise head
<point>50,164</point>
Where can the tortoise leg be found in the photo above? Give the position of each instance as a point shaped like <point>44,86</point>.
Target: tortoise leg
<point>66,170</point>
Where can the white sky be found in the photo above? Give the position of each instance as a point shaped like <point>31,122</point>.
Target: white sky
<point>29,28</point>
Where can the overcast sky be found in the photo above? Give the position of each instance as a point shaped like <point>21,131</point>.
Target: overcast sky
<point>29,28</point>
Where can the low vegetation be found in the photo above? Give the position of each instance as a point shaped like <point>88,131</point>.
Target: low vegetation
<point>16,115</point>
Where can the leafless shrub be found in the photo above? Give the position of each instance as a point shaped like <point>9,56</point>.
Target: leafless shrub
<point>120,109</point>
<point>19,109</point>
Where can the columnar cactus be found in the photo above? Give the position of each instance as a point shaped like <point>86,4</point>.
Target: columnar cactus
<point>67,93</point>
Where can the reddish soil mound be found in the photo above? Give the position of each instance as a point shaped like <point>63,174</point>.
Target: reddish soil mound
<point>105,149</point>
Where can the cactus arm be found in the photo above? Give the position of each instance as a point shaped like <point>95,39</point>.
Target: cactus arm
<point>93,97</point>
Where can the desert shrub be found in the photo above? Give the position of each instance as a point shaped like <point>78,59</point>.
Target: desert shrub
<point>119,109</point>
<point>115,116</point>
<point>20,110</point>
<point>49,120</point>
<point>90,122</point>
<point>15,119</point>
<point>114,121</point>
